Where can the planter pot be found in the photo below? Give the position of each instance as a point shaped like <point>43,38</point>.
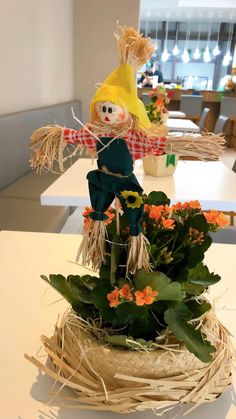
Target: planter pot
<point>107,378</point>
<point>158,166</point>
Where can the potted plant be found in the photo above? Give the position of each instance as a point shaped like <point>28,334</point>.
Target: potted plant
<point>164,164</point>
<point>150,339</point>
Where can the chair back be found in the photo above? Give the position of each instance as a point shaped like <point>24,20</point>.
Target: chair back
<point>202,120</point>
<point>220,124</point>
<point>191,105</point>
<point>228,106</point>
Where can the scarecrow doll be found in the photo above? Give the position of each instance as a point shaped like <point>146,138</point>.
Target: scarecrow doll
<point>119,132</point>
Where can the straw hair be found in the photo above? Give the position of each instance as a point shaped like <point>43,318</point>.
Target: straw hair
<point>107,378</point>
<point>138,255</point>
<point>133,48</point>
<point>93,245</point>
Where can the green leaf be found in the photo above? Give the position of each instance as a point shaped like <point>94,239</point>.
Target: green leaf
<point>167,290</point>
<point>138,320</point>
<point>176,318</point>
<point>198,308</point>
<point>99,297</point>
<point>198,222</point>
<point>116,252</point>
<point>192,289</point>
<point>196,253</point>
<point>128,342</point>
<point>60,283</point>
<point>157,198</point>
<point>80,292</point>
<point>104,273</point>
<point>201,275</point>
<point>89,281</point>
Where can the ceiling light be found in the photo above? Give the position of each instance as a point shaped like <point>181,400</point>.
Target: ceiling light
<point>207,55</point>
<point>185,56</point>
<point>165,55</point>
<point>216,50</point>
<point>228,57</point>
<point>175,50</point>
<point>197,54</point>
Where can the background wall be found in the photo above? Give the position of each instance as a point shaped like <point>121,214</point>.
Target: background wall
<point>36,54</point>
<point>95,46</point>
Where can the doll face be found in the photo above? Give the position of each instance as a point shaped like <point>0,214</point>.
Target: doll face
<point>111,114</point>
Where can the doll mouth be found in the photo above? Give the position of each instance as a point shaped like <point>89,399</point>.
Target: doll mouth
<point>107,119</point>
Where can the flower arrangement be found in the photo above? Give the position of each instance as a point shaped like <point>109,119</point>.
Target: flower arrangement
<point>156,109</point>
<point>155,307</point>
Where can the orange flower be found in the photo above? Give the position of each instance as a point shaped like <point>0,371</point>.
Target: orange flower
<point>194,204</point>
<point>168,223</point>
<point>87,211</point>
<point>216,217</point>
<point>125,292</point>
<point>177,207</point>
<point>87,220</point>
<point>147,207</point>
<point>147,296</point>
<point>156,211</point>
<point>113,298</point>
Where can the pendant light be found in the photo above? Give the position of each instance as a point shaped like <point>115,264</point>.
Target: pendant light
<point>197,54</point>
<point>156,47</point>
<point>175,50</point>
<point>206,54</point>
<point>165,55</point>
<point>228,57</point>
<point>185,55</point>
<point>216,50</point>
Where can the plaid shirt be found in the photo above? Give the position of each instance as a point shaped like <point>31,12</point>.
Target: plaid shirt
<point>136,141</point>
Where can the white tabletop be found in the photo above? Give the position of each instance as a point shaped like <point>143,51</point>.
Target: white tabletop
<point>212,183</point>
<point>176,114</point>
<point>178,124</point>
<point>27,311</point>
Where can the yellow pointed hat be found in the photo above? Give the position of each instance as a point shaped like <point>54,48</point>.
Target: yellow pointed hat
<point>120,88</point>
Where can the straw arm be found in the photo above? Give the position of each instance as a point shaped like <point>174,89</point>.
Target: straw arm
<point>204,147</point>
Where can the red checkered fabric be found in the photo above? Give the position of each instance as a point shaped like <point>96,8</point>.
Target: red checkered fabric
<point>137,142</point>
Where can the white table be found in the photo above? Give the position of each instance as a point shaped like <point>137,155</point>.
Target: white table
<point>184,125</point>
<point>26,312</point>
<point>176,114</point>
<point>212,183</point>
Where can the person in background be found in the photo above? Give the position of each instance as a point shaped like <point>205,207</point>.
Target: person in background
<point>151,70</point>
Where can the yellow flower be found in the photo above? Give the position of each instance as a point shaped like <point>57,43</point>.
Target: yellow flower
<point>132,199</point>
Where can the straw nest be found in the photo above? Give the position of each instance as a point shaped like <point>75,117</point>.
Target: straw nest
<point>107,378</point>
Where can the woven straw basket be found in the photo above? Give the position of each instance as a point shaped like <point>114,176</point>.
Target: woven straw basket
<point>157,166</point>
<point>119,380</point>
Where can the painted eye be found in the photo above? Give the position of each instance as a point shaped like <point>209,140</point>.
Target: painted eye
<point>104,109</point>
<point>110,110</point>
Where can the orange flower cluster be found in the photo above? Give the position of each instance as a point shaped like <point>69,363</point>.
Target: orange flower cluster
<point>110,213</point>
<point>124,294</point>
<point>215,217</point>
<point>118,296</point>
<point>186,205</point>
<point>147,296</point>
<point>159,213</point>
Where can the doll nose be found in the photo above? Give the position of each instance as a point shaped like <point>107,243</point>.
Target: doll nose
<point>107,119</point>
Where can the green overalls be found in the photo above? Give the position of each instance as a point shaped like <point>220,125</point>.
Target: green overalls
<point>103,187</point>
